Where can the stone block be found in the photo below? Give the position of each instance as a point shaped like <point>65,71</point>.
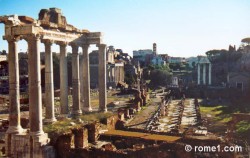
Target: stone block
<point>121,116</point>
<point>93,132</point>
<point>81,137</point>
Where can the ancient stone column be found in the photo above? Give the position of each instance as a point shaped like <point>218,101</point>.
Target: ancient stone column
<point>63,79</point>
<point>209,75</point>
<point>198,76</point>
<point>86,79</point>
<point>102,78</point>
<point>49,83</point>
<point>76,109</point>
<point>14,97</point>
<point>113,74</point>
<point>204,74</point>
<point>35,92</point>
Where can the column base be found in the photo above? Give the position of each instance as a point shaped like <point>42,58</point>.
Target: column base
<point>87,109</point>
<point>37,134</point>
<point>103,110</point>
<point>76,113</point>
<point>49,121</point>
<point>14,130</point>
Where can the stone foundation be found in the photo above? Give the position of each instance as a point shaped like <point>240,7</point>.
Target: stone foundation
<point>26,146</point>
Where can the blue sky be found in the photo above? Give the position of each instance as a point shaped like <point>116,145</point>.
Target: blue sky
<point>179,27</point>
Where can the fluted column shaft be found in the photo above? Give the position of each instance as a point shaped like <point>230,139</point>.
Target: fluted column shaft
<point>49,83</point>
<point>14,96</point>
<point>102,78</point>
<point>35,93</point>
<point>76,109</point>
<point>63,79</point>
<point>86,79</point>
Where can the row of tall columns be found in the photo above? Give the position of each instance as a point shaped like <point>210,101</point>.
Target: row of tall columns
<point>204,74</point>
<point>35,95</point>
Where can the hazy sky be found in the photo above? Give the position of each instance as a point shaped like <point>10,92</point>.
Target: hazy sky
<point>180,28</point>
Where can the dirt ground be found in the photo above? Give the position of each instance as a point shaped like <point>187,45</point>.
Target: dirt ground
<point>141,119</point>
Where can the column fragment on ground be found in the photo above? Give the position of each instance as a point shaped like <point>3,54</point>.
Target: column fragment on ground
<point>86,79</point>
<point>76,109</point>
<point>102,78</point>
<point>63,79</point>
<point>49,83</point>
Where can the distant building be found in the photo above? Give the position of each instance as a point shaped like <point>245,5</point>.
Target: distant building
<point>176,60</point>
<point>192,61</point>
<point>115,67</point>
<point>3,58</point>
<point>239,80</point>
<point>157,60</point>
<point>143,56</point>
<point>148,56</point>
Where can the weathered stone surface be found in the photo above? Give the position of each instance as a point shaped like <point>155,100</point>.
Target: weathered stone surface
<point>93,132</point>
<point>53,15</point>
<point>63,145</point>
<point>81,137</point>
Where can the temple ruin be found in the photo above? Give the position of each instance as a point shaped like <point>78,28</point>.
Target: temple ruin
<point>51,27</point>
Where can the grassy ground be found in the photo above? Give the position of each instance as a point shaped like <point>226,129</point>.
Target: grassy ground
<point>95,100</point>
<point>217,117</point>
<point>65,125</point>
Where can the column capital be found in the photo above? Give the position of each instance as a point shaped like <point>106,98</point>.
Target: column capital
<point>74,47</point>
<point>62,43</point>
<point>47,42</point>
<point>85,46</point>
<point>12,38</point>
<point>101,45</point>
<point>31,37</point>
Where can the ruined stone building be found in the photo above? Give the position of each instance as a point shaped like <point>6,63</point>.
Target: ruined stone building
<point>115,68</point>
<point>50,28</point>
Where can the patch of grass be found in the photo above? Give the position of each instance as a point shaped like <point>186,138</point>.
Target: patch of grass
<point>59,127</point>
<point>96,116</point>
<point>95,100</point>
<point>243,130</point>
<point>65,125</point>
<point>219,113</point>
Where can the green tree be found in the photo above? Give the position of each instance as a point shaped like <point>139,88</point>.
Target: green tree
<point>129,79</point>
<point>160,77</point>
